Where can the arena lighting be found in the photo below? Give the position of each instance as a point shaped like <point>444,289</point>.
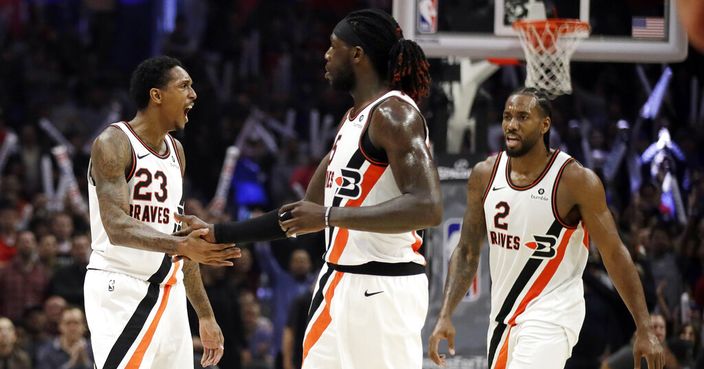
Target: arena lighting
<point>651,108</point>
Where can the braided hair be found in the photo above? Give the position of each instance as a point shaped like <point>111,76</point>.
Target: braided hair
<point>398,61</point>
<point>543,104</point>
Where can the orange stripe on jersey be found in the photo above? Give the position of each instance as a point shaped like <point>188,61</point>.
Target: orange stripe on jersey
<point>544,276</point>
<point>369,179</point>
<point>340,241</point>
<point>138,355</point>
<point>502,359</point>
<point>419,241</point>
<point>324,318</point>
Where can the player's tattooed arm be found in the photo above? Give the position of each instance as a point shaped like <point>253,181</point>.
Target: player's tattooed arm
<point>465,258</point>
<point>208,329</point>
<point>111,155</point>
<point>464,261</point>
<point>195,291</point>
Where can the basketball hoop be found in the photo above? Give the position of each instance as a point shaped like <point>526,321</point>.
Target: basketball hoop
<point>548,46</point>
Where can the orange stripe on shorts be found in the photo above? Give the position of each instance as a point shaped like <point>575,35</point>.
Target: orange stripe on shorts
<point>138,355</point>
<point>323,320</point>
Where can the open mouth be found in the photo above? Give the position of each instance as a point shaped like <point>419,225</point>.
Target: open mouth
<point>187,109</point>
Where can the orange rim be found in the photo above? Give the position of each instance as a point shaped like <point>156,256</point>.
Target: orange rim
<point>564,26</point>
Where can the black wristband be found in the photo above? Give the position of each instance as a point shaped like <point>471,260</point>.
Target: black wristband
<point>262,228</point>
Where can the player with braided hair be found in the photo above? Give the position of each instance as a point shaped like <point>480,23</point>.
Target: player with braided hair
<point>375,188</point>
<point>371,193</point>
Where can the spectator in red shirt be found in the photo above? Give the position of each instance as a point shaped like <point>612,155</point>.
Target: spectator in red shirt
<point>23,281</point>
<point>8,224</point>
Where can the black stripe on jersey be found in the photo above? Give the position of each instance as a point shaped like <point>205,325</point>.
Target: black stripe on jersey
<point>91,180</point>
<point>130,173</point>
<point>495,339</point>
<point>161,274</point>
<point>556,213</point>
<point>355,162</point>
<point>318,298</point>
<point>512,296</point>
<point>493,175</point>
<point>129,335</point>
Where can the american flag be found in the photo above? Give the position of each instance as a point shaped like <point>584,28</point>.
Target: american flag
<point>648,27</point>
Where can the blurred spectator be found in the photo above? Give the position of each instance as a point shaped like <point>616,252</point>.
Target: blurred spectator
<point>70,350</point>
<point>48,248</point>
<point>258,332</point>
<point>11,356</point>
<point>623,358</point>
<point>243,274</point>
<point>23,282</point>
<point>294,331</point>
<point>224,301</point>
<point>34,334</point>
<point>62,229</point>
<point>54,307</point>
<point>286,285</point>
<point>8,229</point>
<point>666,272</point>
<point>68,280</point>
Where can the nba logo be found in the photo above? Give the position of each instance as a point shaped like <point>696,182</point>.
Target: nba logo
<point>427,16</point>
<point>451,237</point>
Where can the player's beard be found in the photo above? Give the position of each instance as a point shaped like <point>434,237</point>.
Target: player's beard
<point>344,80</point>
<point>526,145</point>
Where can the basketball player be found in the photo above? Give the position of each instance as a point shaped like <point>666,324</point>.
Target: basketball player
<point>536,205</point>
<point>375,188</point>
<point>139,275</point>
<point>691,13</point>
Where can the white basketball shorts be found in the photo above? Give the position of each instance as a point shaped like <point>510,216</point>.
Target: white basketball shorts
<point>135,324</point>
<point>532,345</point>
<point>363,321</point>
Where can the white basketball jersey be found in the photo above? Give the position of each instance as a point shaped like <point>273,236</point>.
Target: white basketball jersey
<point>155,189</point>
<point>536,260</point>
<point>353,179</point>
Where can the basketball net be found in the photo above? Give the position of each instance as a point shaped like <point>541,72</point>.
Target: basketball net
<point>548,46</point>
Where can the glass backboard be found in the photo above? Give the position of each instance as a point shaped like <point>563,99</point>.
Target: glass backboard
<point>644,31</point>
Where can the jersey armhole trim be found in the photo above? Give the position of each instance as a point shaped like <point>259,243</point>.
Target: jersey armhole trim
<point>129,173</point>
<point>178,155</point>
<point>493,175</point>
<point>555,213</point>
<point>364,138</point>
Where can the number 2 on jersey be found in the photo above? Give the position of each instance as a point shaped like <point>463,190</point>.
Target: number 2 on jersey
<point>501,214</point>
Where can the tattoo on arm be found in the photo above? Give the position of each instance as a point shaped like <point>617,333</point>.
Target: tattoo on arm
<point>465,259</point>
<point>110,155</point>
<point>195,291</point>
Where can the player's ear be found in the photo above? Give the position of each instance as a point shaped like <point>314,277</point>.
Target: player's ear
<point>547,123</point>
<point>357,53</point>
<point>155,95</point>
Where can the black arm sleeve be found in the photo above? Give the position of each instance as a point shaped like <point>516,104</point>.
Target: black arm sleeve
<point>262,228</point>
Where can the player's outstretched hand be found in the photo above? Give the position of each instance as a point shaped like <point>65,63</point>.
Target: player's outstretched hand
<point>197,248</point>
<point>213,341</point>
<point>444,330</point>
<point>301,217</point>
<point>192,223</point>
<point>647,345</point>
